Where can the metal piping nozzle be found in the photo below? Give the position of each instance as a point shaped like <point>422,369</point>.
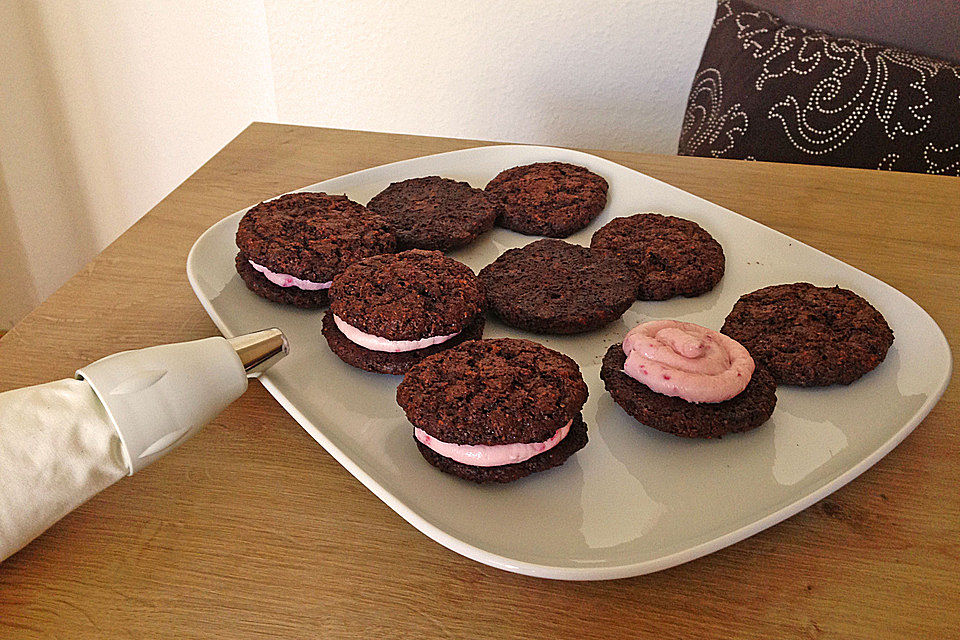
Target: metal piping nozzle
<point>260,350</point>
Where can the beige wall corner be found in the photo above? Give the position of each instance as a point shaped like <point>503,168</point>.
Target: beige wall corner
<point>104,108</point>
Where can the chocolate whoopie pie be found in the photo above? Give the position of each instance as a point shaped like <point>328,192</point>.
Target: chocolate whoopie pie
<point>390,311</point>
<point>435,213</point>
<point>808,335</point>
<point>552,286</point>
<point>672,256</point>
<point>291,247</point>
<point>495,410</point>
<point>553,199</point>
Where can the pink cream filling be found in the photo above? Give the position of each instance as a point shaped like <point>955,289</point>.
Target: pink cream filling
<point>285,280</point>
<point>484,455</point>
<point>376,343</point>
<point>687,361</point>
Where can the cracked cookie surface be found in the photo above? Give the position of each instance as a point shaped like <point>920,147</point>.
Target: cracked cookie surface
<point>672,256</point>
<point>808,335</point>
<point>552,199</point>
<point>552,286</point>
<point>312,236</point>
<point>491,392</point>
<point>435,213</point>
<point>407,296</point>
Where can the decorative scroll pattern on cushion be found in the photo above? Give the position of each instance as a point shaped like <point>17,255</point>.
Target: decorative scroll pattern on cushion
<point>768,90</point>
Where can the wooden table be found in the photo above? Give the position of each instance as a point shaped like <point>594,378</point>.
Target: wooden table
<point>251,530</point>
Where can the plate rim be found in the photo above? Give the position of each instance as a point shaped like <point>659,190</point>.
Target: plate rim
<point>566,572</point>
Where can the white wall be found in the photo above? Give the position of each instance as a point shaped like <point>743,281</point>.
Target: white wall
<point>591,73</point>
<point>106,106</point>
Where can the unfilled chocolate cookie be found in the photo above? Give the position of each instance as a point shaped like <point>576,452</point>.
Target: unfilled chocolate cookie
<point>808,335</point>
<point>385,302</point>
<point>496,392</point>
<point>672,256</point>
<point>749,409</point>
<point>553,199</point>
<point>435,213</point>
<point>307,236</point>
<point>552,286</point>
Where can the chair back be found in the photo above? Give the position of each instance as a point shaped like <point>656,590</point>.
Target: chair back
<point>930,27</point>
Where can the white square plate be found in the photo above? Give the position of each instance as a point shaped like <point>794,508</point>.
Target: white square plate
<point>634,500</point>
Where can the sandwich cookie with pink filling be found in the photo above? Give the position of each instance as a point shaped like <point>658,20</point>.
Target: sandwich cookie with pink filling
<point>688,380</point>
<point>291,247</point>
<point>495,410</point>
<point>389,312</point>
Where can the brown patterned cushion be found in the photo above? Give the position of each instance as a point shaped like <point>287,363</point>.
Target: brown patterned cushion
<point>768,90</point>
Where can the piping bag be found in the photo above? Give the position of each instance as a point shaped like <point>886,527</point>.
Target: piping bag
<point>63,442</point>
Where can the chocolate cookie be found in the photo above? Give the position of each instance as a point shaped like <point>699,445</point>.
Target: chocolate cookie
<point>408,295</point>
<point>749,409</point>
<point>306,237</point>
<point>435,213</point>
<point>259,284</point>
<point>386,304</point>
<point>808,335</point>
<point>386,362</point>
<point>551,199</point>
<point>552,286</point>
<point>576,439</point>
<point>672,256</point>
<point>496,392</point>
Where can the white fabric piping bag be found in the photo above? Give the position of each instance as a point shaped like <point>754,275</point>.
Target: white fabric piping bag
<point>63,442</point>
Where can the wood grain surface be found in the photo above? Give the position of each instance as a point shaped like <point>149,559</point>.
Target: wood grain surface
<point>251,530</point>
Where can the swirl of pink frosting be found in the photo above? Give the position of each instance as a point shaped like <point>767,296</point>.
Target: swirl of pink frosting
<point>686,360</point>
<point>379,343</point>
<point>286,280</point>
<point>495,455</point>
